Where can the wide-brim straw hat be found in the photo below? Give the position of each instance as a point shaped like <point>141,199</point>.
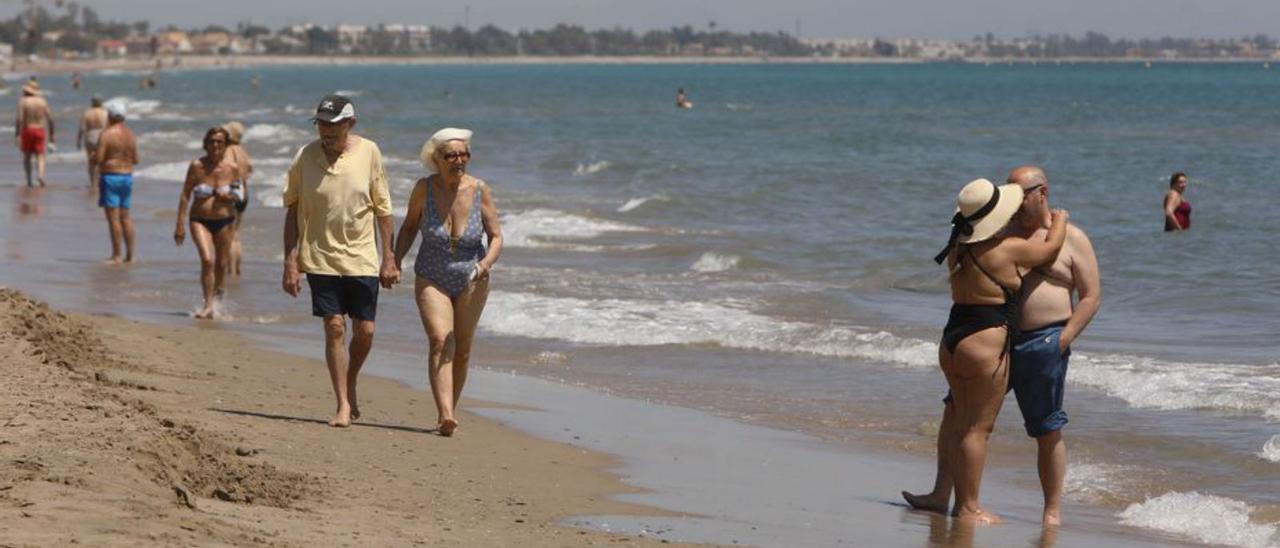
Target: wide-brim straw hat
<point>439,138</point>
<point>32,87</point>
<point>983,209</point>
<point>235,130</point>
<point>987,208</point>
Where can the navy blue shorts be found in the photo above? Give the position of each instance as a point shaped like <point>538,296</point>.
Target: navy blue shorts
<point>1037,378</point>
<point>355,296</point>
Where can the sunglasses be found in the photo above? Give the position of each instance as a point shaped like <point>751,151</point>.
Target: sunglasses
<point>451,156</point>
<point>1032,188</point>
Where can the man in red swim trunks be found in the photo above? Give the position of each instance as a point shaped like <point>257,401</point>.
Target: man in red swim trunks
<point>34,119</point>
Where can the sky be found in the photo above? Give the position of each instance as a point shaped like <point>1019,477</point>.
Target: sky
<point>945,19</point>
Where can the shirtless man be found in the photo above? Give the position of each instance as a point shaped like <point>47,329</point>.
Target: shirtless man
<point>30,127</point>
<point>92,122</point>
<point>1049,324</point>
<point>117,154</point>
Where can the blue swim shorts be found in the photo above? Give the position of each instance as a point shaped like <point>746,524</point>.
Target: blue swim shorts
<point>115,190</point>
<point>1037,378</point>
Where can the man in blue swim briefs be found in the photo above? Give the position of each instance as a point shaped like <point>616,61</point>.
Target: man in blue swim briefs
<point>1050,322</point>
<point>117,154</point>
<point>335,192</point>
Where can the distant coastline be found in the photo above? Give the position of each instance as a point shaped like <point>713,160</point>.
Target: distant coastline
<point>23,68</point>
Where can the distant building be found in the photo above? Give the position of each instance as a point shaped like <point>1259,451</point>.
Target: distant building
<point>414,38</point>
<point>112,48</point>
<point>211,43</point>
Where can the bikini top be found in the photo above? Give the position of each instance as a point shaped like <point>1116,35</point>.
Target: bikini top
<point>202,190</point>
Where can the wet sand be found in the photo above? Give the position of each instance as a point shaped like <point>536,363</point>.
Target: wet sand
<point>118,433</point>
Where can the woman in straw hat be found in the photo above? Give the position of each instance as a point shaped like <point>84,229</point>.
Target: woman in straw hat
<point>986,274</point>
<point>454,212</point>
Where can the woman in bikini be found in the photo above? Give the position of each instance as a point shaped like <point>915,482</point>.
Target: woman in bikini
<point>986,269</point>
<point>454,212</point>
<point>209,190</point>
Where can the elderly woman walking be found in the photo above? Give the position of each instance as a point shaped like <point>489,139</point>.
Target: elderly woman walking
<point>454,212</point>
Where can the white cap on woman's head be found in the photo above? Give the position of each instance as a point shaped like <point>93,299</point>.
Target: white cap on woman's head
<point>117,109</point>
<point>439,138</point>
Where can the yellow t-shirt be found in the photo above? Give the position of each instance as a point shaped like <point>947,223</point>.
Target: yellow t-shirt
<point>336,208</point>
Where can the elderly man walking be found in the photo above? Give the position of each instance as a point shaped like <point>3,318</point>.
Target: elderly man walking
<point>336,193</point>
<point>117,155</point>
<point>33,129</point>
<point>1050,322</point>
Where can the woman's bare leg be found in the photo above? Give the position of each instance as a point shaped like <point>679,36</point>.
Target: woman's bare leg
<point>466,316</point>
<point>223,241</point>
<point>978,376</point>
<point>436,311</point>
<point>204,243</point>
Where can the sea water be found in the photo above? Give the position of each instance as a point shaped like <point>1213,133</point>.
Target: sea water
<point>766,255</point>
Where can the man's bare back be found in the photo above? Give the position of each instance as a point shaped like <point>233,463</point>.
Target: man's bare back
<point>117,149</point>
<point>93,118</point>
<point>33,111</point>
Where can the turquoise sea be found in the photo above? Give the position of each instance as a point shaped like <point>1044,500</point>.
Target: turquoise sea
<point>766,254</point>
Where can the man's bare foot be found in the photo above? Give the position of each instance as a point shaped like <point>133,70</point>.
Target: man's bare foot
<point>42,183</point>
<point>978,517</point>
<point>1052,518</point>
<point>205,313</point>
<point>342,419</point>
<point>129,259</point>
<point>447,427</point>
<point>928,502</point>
<point>114,261</point>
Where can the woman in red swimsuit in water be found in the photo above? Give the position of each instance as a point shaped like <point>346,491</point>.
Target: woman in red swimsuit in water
<point>1177,210</point>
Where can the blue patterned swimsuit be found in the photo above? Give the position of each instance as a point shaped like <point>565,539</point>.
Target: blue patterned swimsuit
<point>449,268</point>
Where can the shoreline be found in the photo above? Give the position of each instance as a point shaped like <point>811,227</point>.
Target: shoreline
<point>203,444</point>
<point>46,67</point>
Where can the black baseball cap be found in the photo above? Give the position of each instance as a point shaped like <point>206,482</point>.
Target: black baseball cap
<point>334,108</point>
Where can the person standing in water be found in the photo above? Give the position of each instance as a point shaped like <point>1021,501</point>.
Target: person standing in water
<point>339,211</point>
<point>210,190</point>
<point>92,122</point>
<point>235,130</point>
<point>1177,210</point>
<point>455,213</point>
<point>681,100</point>
<point>117,155</point>
<point>33,129</point>
<point>1049,324</point>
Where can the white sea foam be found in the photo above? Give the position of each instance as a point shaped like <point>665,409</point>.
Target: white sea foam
<point>184,138</point>
<point>169,171</point>
<point>646,323</point>
<point>1151,383</point>
<point>1271,451</point>
<point>541,227</point>
<point>137,107</point>
<point>1098,483</point>
<point>590,168</point>
<point>273,133</point>
<point>1205,518</point>
<point>169,117</point>
<point>350,93</point>
<point>715,262</point>
<point>632,204</point>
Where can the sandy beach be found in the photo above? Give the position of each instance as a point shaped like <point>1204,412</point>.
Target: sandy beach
<point>117,433</point>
